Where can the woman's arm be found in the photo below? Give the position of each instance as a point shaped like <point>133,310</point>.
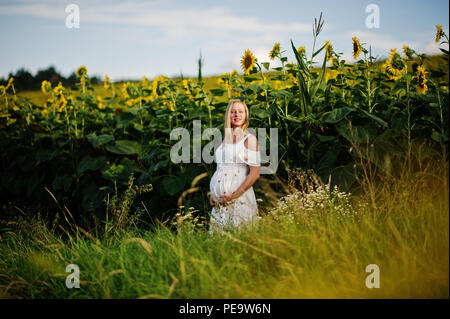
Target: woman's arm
<point>251,178</point>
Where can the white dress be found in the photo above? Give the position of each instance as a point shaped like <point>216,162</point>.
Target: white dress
<point>232,169</point>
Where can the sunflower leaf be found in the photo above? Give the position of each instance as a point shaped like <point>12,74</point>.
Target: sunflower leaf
<point>319,80</point>
<point>318,51</point>
<point>299,59</point>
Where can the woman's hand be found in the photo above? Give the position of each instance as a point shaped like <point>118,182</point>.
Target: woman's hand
<point>226,199</point>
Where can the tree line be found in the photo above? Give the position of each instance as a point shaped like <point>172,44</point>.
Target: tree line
<point>24,80</point>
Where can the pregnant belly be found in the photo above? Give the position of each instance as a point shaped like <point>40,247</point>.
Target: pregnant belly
<point>225,181</point>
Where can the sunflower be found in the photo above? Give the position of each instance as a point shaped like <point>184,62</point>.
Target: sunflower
<point>129,90</point>
<point>44,112</point>
<point>171,106</point>
<point>395,66</point>
<point>156,85</point>
<point>101,106</point>
<point>224,80</point>
<point>276,51</point>
<point>293,79</point>
<point>131,102</point>
<point>422,80</point>
<point>301,51</point>
<point>106,84</point>
<point>81,71</point>
<point>2,90</point>
<point>185,84</point>
<point>58,89</point>
<point>248,61</point>
<point>356,48</point>
<point>438,32</point>
<point>328,51</point>
<point>9,83</point>
<point>408,52</point>
<point>46,86</point>
<point>63,102</point>
<point>144,81</point>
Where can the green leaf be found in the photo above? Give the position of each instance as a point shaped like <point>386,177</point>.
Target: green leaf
<point>318,51</point>
<point>138,127</point>
<point>299,59</point>
<point>343,176</point>
<point>217,92</point>
<point>255,87</point>
<point>438,137</point>
<point>282,94</point>
<point>374,117</point>
<point>399,123</point>
<point>249,78</point>
<point>174,185</point>
<point>113,172</point>
<point>266,65</point>
<point>444,51</point>
<point>260,112</point>
<point>338,114</point>
<point>296,119</point>
<point>62,182</point>
<point>158,165</point>
<point>124,147</point>
<point>91,163</point>
<point>358,134</point>
<point>133,110</point>
<point>99,140</point>
<point>46,154</point>
<point>327,162</point>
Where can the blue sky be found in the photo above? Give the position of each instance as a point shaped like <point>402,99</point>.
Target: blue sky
<point>132,38</point>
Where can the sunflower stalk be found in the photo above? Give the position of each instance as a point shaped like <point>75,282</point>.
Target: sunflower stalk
<point>6,101</point>
<point>208,106</point>
<point>441,118</point>
<point>369,87</point>
<point>83,105</point>
<point>265,91</point>
<point>408,79</point>
<point>140,114</point>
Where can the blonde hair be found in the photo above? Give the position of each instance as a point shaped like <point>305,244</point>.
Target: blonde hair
<point>227,124</point>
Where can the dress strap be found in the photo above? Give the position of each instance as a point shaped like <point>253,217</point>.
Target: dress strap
<point>244,138</point>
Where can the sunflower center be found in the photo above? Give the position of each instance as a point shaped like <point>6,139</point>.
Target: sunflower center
<point>397,62</point>
<point>248,61</point>
<point>421,80</point>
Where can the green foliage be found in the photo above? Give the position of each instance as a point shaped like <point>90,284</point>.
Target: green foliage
<point>316,243</point>
<point>86,146</point>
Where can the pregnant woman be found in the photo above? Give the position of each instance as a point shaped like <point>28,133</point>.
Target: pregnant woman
<point>238,164</point>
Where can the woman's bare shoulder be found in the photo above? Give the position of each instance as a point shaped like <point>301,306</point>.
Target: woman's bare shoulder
<point>251,142</point>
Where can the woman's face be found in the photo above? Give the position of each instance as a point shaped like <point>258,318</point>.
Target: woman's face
<point>237,114</point>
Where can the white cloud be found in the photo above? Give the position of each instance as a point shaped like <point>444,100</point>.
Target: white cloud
<point>176,23</point>
<point>433,48</point>
<point>380,41</point>
<point>385,42</point>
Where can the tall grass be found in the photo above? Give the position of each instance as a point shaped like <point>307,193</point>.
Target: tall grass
<point>316,243</point>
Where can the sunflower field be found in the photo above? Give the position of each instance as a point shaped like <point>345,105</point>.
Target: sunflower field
<point>80,151</point>
<point>86,180</point>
